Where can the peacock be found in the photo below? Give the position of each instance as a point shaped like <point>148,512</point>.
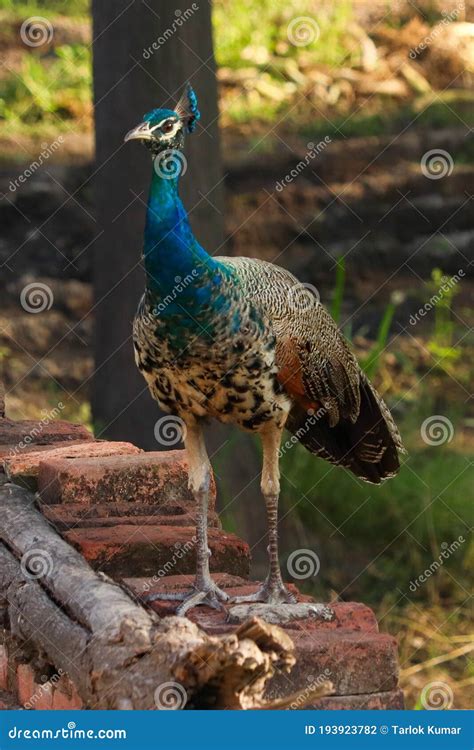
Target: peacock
<point>240,340</point>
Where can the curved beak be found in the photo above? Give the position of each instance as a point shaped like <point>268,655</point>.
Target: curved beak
<point>141,132</point>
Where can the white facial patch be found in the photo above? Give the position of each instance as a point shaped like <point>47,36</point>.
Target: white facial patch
<point>171,133</point>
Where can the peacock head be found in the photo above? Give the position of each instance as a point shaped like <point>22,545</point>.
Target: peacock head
<point>164,129</point>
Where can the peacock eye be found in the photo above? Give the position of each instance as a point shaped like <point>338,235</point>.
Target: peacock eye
<point>167,126</point>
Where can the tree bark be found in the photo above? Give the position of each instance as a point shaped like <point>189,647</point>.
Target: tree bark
<point>118,654</point>
<point>130,78</point>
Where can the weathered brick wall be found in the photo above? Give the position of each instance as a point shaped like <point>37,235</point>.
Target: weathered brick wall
<point>131,516</point>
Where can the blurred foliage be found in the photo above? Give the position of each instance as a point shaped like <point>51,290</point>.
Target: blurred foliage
<point>246,31</point>
<point>441,341</point>
<point>25,8</point>
<point>397,527</point>
<point>51,93</point>
<point>327,84</point>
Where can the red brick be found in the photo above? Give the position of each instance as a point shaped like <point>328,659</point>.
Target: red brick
<point>23,468</point>
<point>42,698</point>
<point>25,433</point>
<point>356,662</point>
<point>116,511</point>
<point>347,615</point>
<point>7,451</point>
<point>8,702</point>
<point>26,684</point>
<point>159,478</point>
<point>149,550</point>
<point>64,520</point>
<point>65,696</point>
<point>3,668</point>
<point>391,700</point>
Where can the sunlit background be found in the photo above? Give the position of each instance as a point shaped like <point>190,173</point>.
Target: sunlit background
<point>347,150</point>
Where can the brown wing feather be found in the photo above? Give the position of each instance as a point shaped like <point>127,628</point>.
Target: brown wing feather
<point>354,427</point>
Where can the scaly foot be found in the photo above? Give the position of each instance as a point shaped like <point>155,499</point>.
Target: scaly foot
<point>271,592</point>
<point>207,593</point>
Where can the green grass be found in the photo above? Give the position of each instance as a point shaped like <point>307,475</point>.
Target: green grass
<point>49,92</point>
<point>265,24</point>
<point>49,8</point>
<point>426,505</point>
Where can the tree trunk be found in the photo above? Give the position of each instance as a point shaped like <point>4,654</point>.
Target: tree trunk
<point>118,654</point>
<point>130,78</point>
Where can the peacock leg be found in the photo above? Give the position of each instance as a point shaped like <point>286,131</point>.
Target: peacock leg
<point>273,590</point>
<point>204,590</point>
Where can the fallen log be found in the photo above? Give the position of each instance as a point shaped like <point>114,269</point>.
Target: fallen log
<point>118,654</point>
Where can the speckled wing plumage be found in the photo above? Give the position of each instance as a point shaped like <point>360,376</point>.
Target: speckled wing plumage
<point>336,412</point>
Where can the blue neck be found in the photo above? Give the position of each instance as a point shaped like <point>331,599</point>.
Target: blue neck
<point>186,284</point>
<point>170,248</point>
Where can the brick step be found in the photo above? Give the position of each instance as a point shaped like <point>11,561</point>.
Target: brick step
<point>61,517</point>
<point>8,450</point>
<point>390,700</point>
<point>348,615</point>
<point>8,701</point>
<point>114,511</point>
<point>154,550</point>
<point>55,694</point>
<point>347,650</point>
<point>24,433</point>
<point>355,661</point>
<point>23,469</point>
<point>156,478</point>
